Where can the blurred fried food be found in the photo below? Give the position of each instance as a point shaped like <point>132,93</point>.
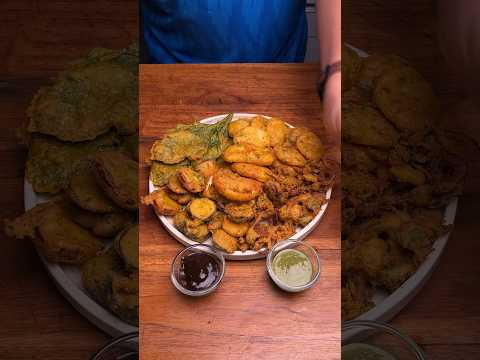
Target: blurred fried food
<point>397,177</point>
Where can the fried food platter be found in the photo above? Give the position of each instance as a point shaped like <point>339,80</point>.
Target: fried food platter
<point>300,234</point>
<point>387,304</point>
<point>68,280</point>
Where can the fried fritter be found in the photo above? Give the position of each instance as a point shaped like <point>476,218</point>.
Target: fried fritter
<point>351,67</point>
<point>126,246</point>
<point>248,153</point>
<point>235,126</point>
<point>406,99</point>
<point>373,67</point>
<point>289,155</point>
<point>224,241</point>
<point>191,180</point>
<point>51,163</point>
<point>87,100</point>
<point>251,171</point>
<point>235,187</point>
<point>277,130</point>
<point>202,208</point>
<point>207,168</point>
<point>310,146</point>
<point>160,172</point>
<point>175,186</point>
<point>162,203</point>
<point>240,212</point>
<point>56,236</point>
<point>177,146</point>
<point>117,175</point>
<point>252,135</point>
<point>233,228</point>
<point>86,193</point>
<point>363,125</point>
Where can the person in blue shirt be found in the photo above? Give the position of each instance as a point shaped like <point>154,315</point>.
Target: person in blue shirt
<point>229,31</point>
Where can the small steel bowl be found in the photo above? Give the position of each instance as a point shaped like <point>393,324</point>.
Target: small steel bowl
<point>197,248</point>
<point>308,250</point>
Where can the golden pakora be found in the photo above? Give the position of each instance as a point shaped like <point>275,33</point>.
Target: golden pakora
<point>235,187</point>
<point>247,153</point>
<point>251,171</point>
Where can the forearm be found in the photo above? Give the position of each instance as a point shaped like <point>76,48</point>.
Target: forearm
<point>329,28</point>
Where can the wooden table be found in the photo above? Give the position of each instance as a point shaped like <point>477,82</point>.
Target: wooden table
<point>38,39</point>
<point>247,317</point>
<point>444,317</point>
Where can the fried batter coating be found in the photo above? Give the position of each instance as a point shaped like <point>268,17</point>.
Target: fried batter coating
<point>117,175</point>
<point>373,67</point>
<point>406,99</point>
<point>351,67</point>
<point>247,153</point>
<point>179,198</point>
<point>160,172</point>
<point>191,180</point>
<point>310,146</point>
<point>202,208</point>
<point>259,122</point>
<point>251,171</point>
<point>207,168</point>
<point>175,186</point>
<point>408,174</point>
<point>240,212</point>
<point>235,187</point>
<point>162,203</point>
<point>363,125</point>
<point>216,221</point>
<point>277,130</point>
<point>234,229</point>
<point>294,133</point>
<point>177,146</point>
<point>252,135</point>
<point>88,99</point>
<point>53,232</point>
<point>224,241</point>
<point>289,155</point>
<point>235,126</point>
<point>85,192</point>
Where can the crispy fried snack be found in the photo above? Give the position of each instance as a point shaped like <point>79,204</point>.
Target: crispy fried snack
<point>289,155</point>
<point>117,175</point>
<point>224,241</point>
<point>252,135</point>
<point>51,162</point>
<point>235,229</point>
<point>406,99</point>
<point>54,233</point>
<point>248,153</point>
<point>85,192</point>
<point>160,172</point>
<point>251,171</point>
<point>240,212</point>
<point>235,187</point>
<point>126,246</point>
<point>87,100</point>
<point>162,203</point>
<point>363,125</point>
<point>175,186</point>
<point>103,225</point>
<point>235,126</point>
<point>310,146</point>
<point>191,180</point>
<point>202,208</point>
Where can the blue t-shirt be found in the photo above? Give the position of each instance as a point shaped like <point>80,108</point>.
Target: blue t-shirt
<point>215,31</point>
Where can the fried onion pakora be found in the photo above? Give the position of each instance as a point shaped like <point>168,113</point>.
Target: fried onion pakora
<point>247,153</point>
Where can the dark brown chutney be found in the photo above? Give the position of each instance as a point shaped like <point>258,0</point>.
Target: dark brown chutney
<point>198,271</point>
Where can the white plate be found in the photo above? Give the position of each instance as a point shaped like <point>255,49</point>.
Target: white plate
<point>68,280</point>
<point>387,306</point>
<point>167,221</point>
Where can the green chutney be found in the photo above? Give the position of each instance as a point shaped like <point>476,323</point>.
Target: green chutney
<point>292,267</point>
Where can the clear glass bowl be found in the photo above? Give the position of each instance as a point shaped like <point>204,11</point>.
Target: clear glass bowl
<point>197,248</point>
<point>308,250</point>
<point>382,336</point>
<point>124,347</point>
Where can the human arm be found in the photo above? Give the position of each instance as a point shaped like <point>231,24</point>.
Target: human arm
<point>329,30</point>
